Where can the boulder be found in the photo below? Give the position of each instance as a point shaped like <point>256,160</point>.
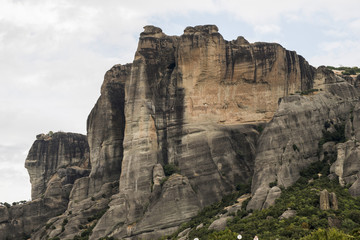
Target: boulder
<point>288,214</point>
<point>219,224</point>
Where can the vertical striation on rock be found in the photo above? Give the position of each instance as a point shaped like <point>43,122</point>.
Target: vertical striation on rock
<point>105,126</point>
<point>324,200</point>
<point>51,154</point>
<point>183,97</point>
<point>55,161</point>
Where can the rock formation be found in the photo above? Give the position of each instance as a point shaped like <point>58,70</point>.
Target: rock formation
<point>179,128</point>
<point>328,200</point>
<point>289,143</point>
<point>181,96</point>
<point>54,162</point>
<point>324,200</point>
<point>63,154</point>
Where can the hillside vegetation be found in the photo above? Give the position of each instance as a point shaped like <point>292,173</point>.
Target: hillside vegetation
<point>309,223</point>
<point>346,70</point>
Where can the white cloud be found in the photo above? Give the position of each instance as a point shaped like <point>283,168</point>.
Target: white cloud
<point>267,29</point>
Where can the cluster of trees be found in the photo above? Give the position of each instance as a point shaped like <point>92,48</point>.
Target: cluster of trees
<point>346,70</point>
<point>5,204</point>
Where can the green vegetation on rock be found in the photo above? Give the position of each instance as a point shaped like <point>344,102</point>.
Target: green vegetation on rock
<point>309,222</point>
<point>170,169</point>
<point>345,70</point>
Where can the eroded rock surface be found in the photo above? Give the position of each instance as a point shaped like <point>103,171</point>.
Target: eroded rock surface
<point>192,104</point>
<point>52,154</point>
<point>54,162</point>
<point>181,95</point>
<point>289,143</point>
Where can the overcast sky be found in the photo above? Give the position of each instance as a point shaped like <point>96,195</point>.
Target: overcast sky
<point>54,54</point>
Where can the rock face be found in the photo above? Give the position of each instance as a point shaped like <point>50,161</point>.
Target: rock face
<point>180,96</point>
<point>52,154</point>
<point>105,126</point>
<point>54,162</point>
<point>289,143</point>
<point>178,129</point>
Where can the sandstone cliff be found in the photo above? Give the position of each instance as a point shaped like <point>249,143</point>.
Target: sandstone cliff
<point>54,162</point>
<point>182,97</point>
<point>178,129</point>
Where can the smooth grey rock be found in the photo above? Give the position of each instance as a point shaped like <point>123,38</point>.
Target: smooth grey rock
<point>288,214</point>
<point>192,101</point>
<point>274,193</point>
<point>289,143</point>
<point>105,127</point>
<point>172,202</point>
<point>347,165</point>
<point>219,224</point>
<point>199,226</point>
<point>354,190</point>
<point>184,233</point>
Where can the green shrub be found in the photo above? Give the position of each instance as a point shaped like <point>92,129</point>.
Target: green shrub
<point>223,235</point>
<point>97,215</point>
<point>259,128</point>
<point>7,205</point>
<point>170,169</point>
<point>273,184</point>
<point>295,148</point>
<point>330,234</point>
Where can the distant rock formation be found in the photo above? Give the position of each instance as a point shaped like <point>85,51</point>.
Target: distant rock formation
<point>54,162</point>
<point>59,157</point>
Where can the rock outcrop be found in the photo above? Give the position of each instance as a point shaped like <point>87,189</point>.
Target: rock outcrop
<point>181,95</point>
<point>324,200</point>
<point>54,162</point>
<point>288,214</point>
<point>64,156</point>
<point>328,200</point>
<point>289,143</point>
<point>219,224</point>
